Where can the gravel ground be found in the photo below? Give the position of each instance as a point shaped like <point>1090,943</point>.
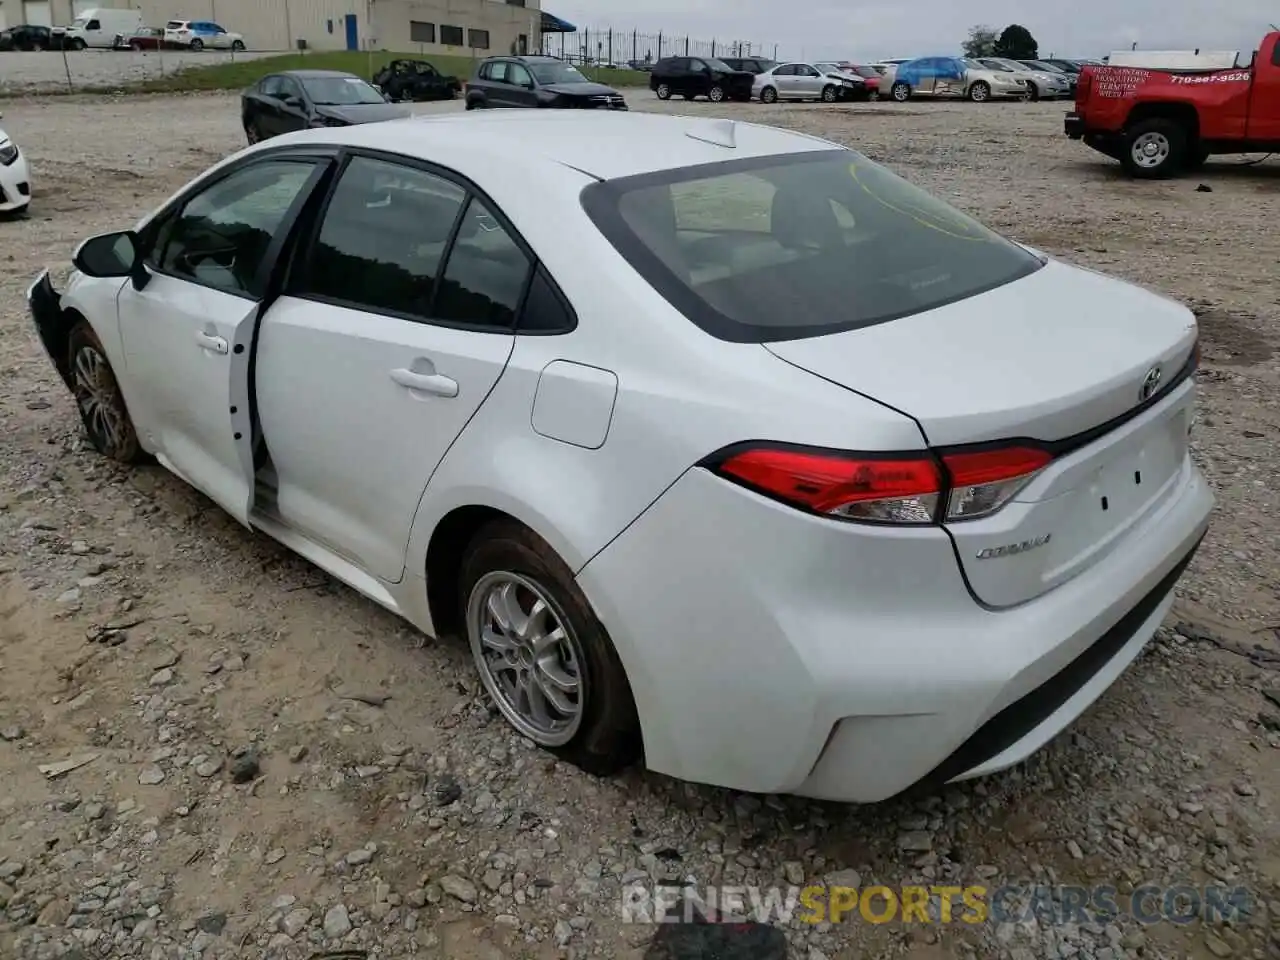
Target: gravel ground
<point>277,768</point>
<point>47,72</point>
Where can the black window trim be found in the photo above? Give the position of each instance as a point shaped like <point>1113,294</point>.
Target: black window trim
<point>321,161</point>
<point>307,240</point>
<point>600,202</point>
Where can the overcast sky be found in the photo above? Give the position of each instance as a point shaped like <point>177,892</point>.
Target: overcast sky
<point>874,29</point>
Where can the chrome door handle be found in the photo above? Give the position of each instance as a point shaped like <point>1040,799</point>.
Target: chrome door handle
<point>434,383</point>
<point>211,343</point>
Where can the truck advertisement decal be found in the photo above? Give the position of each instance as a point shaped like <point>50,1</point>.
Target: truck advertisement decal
<point>1116,83</point>
<point>1235,76</point>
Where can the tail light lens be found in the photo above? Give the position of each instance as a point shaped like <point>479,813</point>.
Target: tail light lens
<point>903,489</point>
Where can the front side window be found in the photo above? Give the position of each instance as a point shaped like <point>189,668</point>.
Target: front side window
<point>518,75</point>
<point>799,245</point>
<point>382,239</point>
<point>220,237</point>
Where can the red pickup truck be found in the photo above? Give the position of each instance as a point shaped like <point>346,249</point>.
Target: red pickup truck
<point>1159,122</point>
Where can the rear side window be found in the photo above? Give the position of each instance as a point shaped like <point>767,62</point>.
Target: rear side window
<point>799,245</point>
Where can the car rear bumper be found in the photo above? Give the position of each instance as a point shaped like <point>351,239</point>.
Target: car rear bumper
<point>775,652</point>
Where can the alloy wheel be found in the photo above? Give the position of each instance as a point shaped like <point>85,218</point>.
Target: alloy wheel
<point>98,397</point>
<point>529,657</point>
<point>715,94</point>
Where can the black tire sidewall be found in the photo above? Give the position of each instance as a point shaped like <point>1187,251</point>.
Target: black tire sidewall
<point>769,95</point>
<point>1174,164</point>
<point>608,738</point>
<point>659,91</point>
<point>828,94</point>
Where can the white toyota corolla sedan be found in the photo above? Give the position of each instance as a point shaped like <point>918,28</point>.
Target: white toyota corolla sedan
<point>719,443</point>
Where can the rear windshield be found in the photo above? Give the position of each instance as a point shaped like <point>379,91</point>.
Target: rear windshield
<point>800,245</point>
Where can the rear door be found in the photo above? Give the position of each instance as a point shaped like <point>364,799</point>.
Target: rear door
<point>187,334</point>
<point>397,321</point>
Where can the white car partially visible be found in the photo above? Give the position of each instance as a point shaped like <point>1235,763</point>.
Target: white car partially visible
<point>15,177</point>
<point>720,444</point>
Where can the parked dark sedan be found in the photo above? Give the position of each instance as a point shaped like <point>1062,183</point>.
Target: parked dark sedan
<point>300,99</point>
<point>26,37</point>
<point>537,82</point>
<point>416,80</point>
<point>708,77</point>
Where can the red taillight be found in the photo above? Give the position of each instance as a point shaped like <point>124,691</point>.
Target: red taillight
<point>909,488</point>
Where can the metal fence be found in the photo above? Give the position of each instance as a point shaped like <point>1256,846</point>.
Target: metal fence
<point>621,47</point>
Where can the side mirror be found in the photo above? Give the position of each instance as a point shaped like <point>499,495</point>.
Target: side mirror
<point>108,255</point>
<point>293,102</point>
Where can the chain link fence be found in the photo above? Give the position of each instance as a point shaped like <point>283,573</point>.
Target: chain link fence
<point>623,48</point>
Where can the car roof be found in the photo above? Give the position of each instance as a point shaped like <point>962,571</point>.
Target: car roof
<point>313,74</point>
<point>603,144</point>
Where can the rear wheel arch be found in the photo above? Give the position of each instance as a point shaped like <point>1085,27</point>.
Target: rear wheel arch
<point>1184,114</point>
<point>443,565</point>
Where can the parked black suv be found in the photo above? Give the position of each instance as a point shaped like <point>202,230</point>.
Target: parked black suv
<point>26,37</point>
<point>537,82</point>
<point>691,77</point>
<point>750,64</point>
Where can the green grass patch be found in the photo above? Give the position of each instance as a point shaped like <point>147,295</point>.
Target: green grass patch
<point>239,74</point>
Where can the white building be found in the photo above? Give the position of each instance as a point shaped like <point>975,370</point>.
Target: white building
<point>410,26</point>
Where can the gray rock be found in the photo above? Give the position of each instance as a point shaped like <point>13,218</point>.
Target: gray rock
<point>209,768</point>
<point>915,841</point>
<point>12,733</point>
<point>161,678</point>
<point>295,921</point>
<point>274,855</point>
<point>151,775</point>
<point>459,888</point>
<point>1217,946</point>
<point>337,922</point>
<point>359,857</point>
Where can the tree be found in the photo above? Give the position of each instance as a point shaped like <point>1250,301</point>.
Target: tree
<point>981,42</point>
<point>1017,43</point>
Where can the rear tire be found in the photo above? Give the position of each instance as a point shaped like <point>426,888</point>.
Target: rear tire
<point>98,398</point>
<point>769,95</point>
<point>901,92</point>
<point>663,91</point>
<point>237,46</point>
<point>507,572</point>
<point>1154,149</point>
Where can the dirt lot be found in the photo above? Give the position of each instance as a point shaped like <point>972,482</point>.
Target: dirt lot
<point>392,813</point>
<point>97,69</point>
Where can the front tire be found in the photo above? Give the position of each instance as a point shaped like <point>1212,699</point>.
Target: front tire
<point>1154,149</point>
<point>828,94</point>
<point>544,658</point>
<point>900,92</point>
<point>1033,92</point>
<point>769,95</point>
<point>663,91</point>
<point>98,398</point>
<point>252,133</point>
<point>980,92</point>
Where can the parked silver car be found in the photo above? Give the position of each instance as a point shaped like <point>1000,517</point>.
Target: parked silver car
<point>806,81</point>
<point>950,77</point>
<point>1041,84</point>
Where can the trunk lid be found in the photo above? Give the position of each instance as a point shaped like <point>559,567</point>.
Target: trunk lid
<point>1053,357</point>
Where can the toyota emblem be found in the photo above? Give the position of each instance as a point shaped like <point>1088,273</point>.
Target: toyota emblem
<point>1150,383</point>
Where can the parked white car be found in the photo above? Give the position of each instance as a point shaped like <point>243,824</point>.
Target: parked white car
<point>201,34</point>
<point>747,523</point>
<point>805,81</point>
<point>15,177</point>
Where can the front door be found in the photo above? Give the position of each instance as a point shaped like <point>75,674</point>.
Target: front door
<point>809,82</point>
<point>1264,97</point>
<point>187,334</point>
<point>386,342</point>
<point>521,87</point>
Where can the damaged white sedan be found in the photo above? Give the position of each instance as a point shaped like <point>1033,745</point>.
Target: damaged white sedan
<point>719,443</point>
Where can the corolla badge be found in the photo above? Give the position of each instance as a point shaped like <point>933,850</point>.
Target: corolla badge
<point>1013,549</point>
<point>1150,384</point>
